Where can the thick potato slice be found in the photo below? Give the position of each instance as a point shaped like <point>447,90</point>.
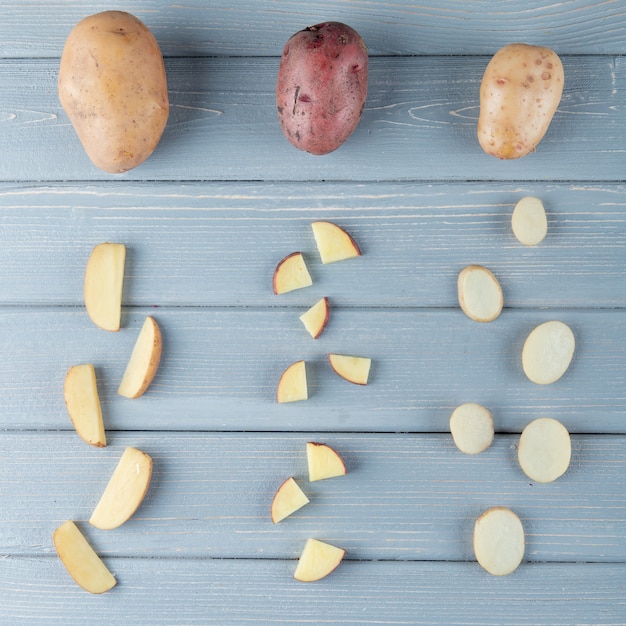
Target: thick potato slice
<point>318,560</point>
<point>480,294</point>
<point>499,541</point>
<point>80,392</point>
<point>287,500</point>
<point>529,221</point>
<point>354,369</point>
<point>519,94</point>
<point>323,462</point>
<point>472,428</point>
<point>292,384</point>
<point>113,87</point>
<point>291,273</point>
<point>548,352</point>
<point>144,361</point>
<point>334,243</point>
<point>544,450</point>
<point>316,318</point>
<point>80,559</point>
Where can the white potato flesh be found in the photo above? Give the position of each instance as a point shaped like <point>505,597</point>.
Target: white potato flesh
<point>544,450</point>
<point>529,221</point>
<point>472,428</point>
<point>480,294</point>
<point>499,541</point>
<point>548,352</point>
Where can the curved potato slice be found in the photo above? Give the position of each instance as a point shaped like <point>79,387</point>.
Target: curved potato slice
<point>83,404</point>
<point>318,559</point>
<point>334,243</point>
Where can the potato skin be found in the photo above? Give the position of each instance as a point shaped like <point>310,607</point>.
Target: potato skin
<point>321,86</point>
<point>519,94</point>
<point>113,87</point>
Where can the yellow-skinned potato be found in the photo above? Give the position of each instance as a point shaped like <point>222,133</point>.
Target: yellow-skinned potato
<point>113,87</point>
<point>519,94</point>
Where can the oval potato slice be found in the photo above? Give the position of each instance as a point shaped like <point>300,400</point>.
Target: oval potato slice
<point>544,450</point>
<point>499,541</point>
<point>472,428</point>
<point>529,221</point>
<point>548,352</point>
<point>480,294</point>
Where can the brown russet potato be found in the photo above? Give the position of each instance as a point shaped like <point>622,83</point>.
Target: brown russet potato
<point>519,94</point>
<point>113,87</point>
<point>321,86</point>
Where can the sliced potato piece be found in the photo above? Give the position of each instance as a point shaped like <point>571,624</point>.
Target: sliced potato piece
<point>144,361</point>
<point>480,294</point>
<point>544,450</point>
<point>334,243</point>
<point>292,385</point>
<point>291,273</point>
<point>529,221</point>
<point>83,404</point>
<point>323,462</point>
<point>499,541</point>
<point>472,428</point>
<point>318,559</point>
<point>354,369</point>
<point>104,278</point>
<point>548,352</point>
<point>287,500</point>
<point>80,559</point>
<point>125,491</point>
<point>316,318</point>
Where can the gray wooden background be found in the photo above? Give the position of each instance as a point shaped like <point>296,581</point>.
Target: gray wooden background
<point>205,220</point>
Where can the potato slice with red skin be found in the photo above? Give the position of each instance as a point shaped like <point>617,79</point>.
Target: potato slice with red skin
<point>292,385</point>
<point>318,560</point>
<point>287,500</point>
<point>323,462</point>
<point>354,369</point>
<point>334,243</point>
<point>321,86</point>
<point>316,318</point>
<point>291,273</point>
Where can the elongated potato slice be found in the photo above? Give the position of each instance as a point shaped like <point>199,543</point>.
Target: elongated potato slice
<point>529,221</point>
<point>83,404</point>
<point>144,361</point>
<point>292,385</point>
<point>125,491</point>
<point>499,541</point>
<point>548,352</point>
<point>323,462</point>
<point>318,559</point>
<point>480,294</point>
<point>544,450</point>
<point>287,500</point>
<point>334,243</point>
<point>472,428</point>
<point>104,278</point>
<point>81,560</point>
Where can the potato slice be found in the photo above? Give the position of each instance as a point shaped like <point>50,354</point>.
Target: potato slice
<point>80,559</point>
<point>318,559</point>
<point>323,462</point>
<point>287,500</point>
<point>144,361</point>
<point>499,541</point>
<point>472,428</point>
<point>544,450</point>
<point>291,273</point>
<point>354,369</point>
<point>83,404</point>
<point>125,491</point>
<point>104,277</point>
<point>334,243</point>
<point>548,352</point>
<point>529,221</point>
<point>316,318</point>
<point>480,294</point>
<point>292,385</point>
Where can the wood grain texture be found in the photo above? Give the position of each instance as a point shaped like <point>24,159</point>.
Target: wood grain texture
<point>220,368</point>
<point>238,27</point>
<point>199,244</point>
<point>405,497</point>
<point>419,123</point>
<point>185,591</point>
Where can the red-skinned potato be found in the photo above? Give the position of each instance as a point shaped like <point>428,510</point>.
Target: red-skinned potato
<point>113,87</point>
<point>321,86</point>
<point>519,94</point>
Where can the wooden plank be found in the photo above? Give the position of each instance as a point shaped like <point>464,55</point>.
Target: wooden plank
<point>416,126</point>
<point>261,28</point>
<point>38,591</point>
<point>202,244</point>
<point>405,497</point>
<point>220,368</point>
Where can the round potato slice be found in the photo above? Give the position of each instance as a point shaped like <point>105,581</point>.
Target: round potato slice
<point>472,429</point>
<point>480,294</point>
<point>529,221</point>
<point>544,450</point>
<point>499,541</point>
<point>548,352</point>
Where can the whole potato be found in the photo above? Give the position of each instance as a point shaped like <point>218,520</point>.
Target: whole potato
<point>113,87</point>
<point>321,86</point>
<point>519,94</point>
